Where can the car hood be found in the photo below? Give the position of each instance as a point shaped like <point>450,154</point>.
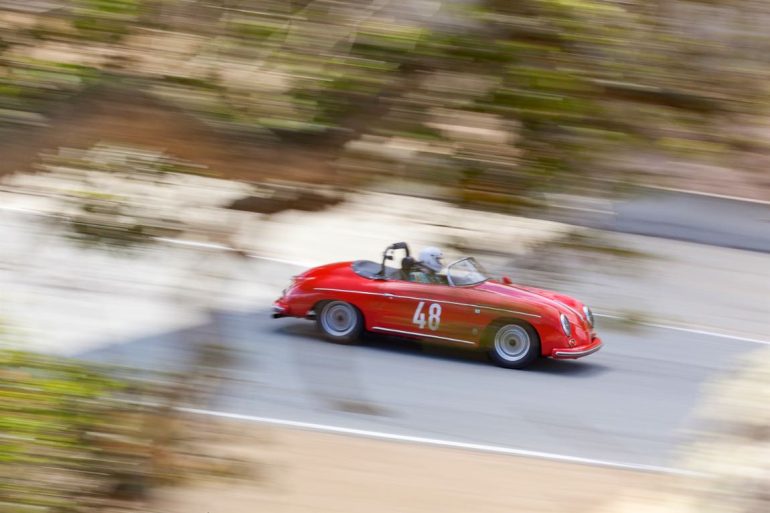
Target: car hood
<point>563,303</point>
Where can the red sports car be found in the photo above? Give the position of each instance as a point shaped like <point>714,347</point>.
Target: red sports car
<point>461,305</point>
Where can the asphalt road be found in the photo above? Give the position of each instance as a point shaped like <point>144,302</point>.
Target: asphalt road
<point>674,215</point>
<point>629,403</point>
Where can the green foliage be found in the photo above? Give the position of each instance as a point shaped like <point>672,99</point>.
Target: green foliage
<point>112,191</point>
<point>257,30</point>
<point>32,86</point>
<point>110,7</point>
<point>573,83</point>
<point>105,20</point>
<point>74,435</point>
<point>48,407</point>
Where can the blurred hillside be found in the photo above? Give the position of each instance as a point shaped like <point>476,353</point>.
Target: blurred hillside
<point>212,150</point>
<point>498,100</point>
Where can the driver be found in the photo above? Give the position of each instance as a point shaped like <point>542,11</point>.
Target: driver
<point>430,258</point>
<point>427,268</point>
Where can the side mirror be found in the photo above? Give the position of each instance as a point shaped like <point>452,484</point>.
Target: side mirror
<point>506,280</point>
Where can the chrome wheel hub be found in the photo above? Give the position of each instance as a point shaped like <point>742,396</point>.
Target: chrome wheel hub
<point>338,319</point>
<point>512,342</point>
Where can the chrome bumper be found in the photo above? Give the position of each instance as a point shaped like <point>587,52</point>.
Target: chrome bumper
<point>567,353</point>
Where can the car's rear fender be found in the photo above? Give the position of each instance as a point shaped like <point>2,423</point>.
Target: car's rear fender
<point>340,283</point>
<point>318,305</point>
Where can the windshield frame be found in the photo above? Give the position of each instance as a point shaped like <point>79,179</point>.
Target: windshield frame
<point>475,264</point>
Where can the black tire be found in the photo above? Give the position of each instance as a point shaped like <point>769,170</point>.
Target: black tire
<point>513,345</point>
<point>340,322</point>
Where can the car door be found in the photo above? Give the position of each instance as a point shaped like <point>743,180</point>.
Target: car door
<point>430,311</point>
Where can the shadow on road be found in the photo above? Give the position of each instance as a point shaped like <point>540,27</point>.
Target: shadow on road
<point>248,361</point>
<point>583,368</point>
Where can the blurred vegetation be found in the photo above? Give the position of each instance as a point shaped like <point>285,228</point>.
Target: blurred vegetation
<point>48,411</point>
<point>493,98</point>
<point>110,193</point>
<point>78,437</point>
<point>561,259</point>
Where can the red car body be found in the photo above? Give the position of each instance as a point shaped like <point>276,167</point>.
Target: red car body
<point>464,315</point>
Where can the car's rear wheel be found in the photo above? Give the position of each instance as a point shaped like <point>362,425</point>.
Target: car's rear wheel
<point>514,345</point>
<point>340,322</point>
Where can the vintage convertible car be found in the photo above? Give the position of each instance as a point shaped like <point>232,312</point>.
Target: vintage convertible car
<point>461,305</point>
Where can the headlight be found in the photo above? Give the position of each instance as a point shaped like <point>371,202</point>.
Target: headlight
<point>565,325</point>
<point>589,315</point>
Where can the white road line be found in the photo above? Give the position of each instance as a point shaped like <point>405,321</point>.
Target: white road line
<point>695,331</point>
<point>495,449</point>
<point>223,247</point>
<point>194,243</point>
<point>584,209</point>
<point>305,265</point>
<point>22,210</point>
<point>708,194</point>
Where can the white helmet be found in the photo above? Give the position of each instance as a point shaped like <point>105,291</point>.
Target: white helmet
<point>431,258</point>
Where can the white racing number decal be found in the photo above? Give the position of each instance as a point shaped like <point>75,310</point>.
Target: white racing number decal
<point>434,316</point>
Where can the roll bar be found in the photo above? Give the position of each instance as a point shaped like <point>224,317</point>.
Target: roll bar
<point>388,254</point>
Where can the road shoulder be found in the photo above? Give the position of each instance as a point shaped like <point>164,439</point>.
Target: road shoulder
<point>300,470</point>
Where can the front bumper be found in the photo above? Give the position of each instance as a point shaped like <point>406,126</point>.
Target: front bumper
<point>279,309</point>
<point>570,353</point>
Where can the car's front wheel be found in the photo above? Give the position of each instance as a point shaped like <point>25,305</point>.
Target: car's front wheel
<point>514,346</point>
<point>340,322</point>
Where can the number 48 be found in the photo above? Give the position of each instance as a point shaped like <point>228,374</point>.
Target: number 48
<point>434,316</point>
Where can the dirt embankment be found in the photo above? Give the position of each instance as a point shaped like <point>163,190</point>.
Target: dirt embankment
<point>127,116</point>
<point>301,471</point>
